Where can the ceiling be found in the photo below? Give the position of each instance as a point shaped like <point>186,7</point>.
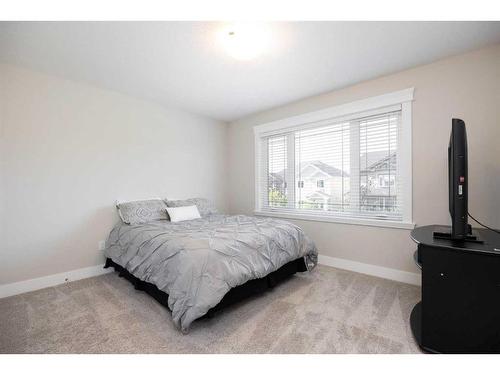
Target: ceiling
<point>181,64</point>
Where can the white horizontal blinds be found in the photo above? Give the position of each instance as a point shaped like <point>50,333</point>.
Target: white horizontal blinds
<point>345,168</point>
<point>322,162</point>
<point>380,186</point>
<point>274,188</point>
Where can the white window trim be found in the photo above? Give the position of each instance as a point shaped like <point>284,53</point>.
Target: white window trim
<point>399,99</point>
<point>340,220</point>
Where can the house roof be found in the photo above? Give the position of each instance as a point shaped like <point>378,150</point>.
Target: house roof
<point>323,167</point>
<point>278,177</point>
<point>379,160</point>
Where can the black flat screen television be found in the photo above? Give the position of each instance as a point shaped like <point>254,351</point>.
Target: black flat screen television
<point>458,180</point>
<point>458,186</point>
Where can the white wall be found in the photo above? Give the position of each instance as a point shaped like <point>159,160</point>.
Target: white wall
<point>465,86</point>
<point>69,150</point>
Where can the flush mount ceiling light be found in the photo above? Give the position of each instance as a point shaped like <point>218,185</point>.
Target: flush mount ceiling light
<point>244,41</point>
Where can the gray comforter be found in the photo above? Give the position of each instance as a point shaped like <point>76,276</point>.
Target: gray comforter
<point>198,261</point>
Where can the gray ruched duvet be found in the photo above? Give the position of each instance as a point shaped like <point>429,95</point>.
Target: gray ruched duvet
<point>197,262</point>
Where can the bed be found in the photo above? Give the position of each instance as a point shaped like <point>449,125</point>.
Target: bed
<point>197,266</point>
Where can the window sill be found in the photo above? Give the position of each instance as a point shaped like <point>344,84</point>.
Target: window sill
<point>329,219</point>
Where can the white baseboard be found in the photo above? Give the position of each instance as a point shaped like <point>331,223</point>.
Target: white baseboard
<point>7,290</point>
<point>370,269</point>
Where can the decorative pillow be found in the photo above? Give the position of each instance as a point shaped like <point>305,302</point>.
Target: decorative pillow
<point>138,212</point>
<point>205,207</point>
<point>183,213</point>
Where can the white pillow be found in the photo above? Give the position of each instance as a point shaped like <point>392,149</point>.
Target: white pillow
<point>183,213</point>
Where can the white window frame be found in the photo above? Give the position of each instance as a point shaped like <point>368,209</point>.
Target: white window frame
<point>400,100</point>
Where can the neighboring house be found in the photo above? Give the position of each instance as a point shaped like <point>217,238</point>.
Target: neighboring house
<point>378,181</point>
<point>276,182</point>
<point>321,186</point>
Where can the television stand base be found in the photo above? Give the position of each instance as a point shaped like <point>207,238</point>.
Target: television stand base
<point>447,236</point>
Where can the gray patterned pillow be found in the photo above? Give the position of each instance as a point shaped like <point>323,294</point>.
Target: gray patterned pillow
<point>138,212</point>
<point>205,207</point>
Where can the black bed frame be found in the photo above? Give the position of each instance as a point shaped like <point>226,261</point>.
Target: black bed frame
<point>234,295</point>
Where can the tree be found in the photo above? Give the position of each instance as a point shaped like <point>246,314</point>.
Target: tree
<point>277,198</point>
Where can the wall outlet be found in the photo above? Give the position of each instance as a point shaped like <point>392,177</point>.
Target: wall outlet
<point>101,245</point>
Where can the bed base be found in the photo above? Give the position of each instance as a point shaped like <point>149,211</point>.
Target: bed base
<point>234,295</point>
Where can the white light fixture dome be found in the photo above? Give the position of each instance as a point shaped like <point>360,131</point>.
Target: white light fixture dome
<point>244,41</point>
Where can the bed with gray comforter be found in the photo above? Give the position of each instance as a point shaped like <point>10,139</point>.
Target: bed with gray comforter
<point>197,262</point>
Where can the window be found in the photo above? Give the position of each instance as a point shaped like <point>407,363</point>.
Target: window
<point>350,163</point>
<point>387,180</point>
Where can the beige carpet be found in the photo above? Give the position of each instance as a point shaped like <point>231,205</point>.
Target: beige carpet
<point>326,311</point>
